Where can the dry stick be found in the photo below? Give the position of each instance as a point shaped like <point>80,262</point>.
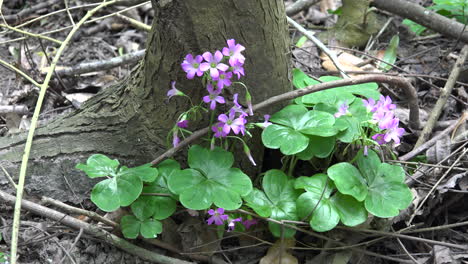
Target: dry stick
<point>29,139</point>
<point>30,34</point>
<point>431,142</point>
<point>405,250</point>
<point>425,17</point>
<point>17,17</point>
<point>18,109</point>
<point>300,5</point>
<point>135,23</point>
<point>421,172</point>
<point>319,44</point>
<point>444,94</point>
<point>435,186</point>
<point>101,65</point>
<point>418,239</point>
<point>75,210</point>
<point>18,71</point>
<point>289,96</point>
<point>92,230</point>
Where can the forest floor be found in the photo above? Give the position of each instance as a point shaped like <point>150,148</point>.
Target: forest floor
<point>426,61</point>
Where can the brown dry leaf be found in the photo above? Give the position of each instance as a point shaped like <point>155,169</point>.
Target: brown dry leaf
<point>348,62</point>
<point>326,5</point>
<point>443,255</point>
<point>279,250</point>
<point>195,237</point>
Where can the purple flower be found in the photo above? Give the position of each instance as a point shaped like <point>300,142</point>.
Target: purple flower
<point>213,63</point>
<point>183,123</point>
<point>366,151</point>
<point>175,139</point>
<point>237,68</point>
<point>218,130</point>
<point>213,97</point>
<point>250,222</point>
<point>224,79</point>
<point>248,99</point>
<point>386,103</point>
<point>370,105</point>
<point>234,50</point>
<point>394,132</point>
<point>267,122</point>
<point>192,66</point>
<point>379,138</point>
<point>237,107</point>
<point>173,91</point>
<point>386,121</point>
<point>249,155</point>
<point>342,110</point>
<point>218,217</point>
<point>232,223</point>
<point>236,124</point>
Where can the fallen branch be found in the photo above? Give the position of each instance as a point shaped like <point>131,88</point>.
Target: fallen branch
<point>100,65</point>
<point>295,94</point>
<point>18,109</point>
<point>92,230</point>
<point>300,5</point>
<point>425,17</point>
<point>15,18</point>
<point>432,141</point>
<point>444,95</point>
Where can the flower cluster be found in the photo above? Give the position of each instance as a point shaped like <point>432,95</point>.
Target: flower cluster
<point>385,119</point>
<point>219,218</point>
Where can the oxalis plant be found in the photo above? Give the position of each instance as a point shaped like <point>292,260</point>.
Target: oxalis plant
<point>342,132</point>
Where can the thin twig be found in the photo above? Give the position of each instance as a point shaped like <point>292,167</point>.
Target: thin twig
<point>427,164</point>
<point>101,65</point>
<point>405,250</point>
<point>17,109</point>
<point>444,94</point>
<point>31,34</point>
<point>24,75</point>
<point>135,23</point>
<point>319,44</point>
<point>73,245</point>
<point>435,186</point>
<point>75,210</point>
<point>429,143</point>
<point>299,6</point>
<point>17,17</point>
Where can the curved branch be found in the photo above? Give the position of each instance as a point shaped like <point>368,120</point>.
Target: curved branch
<point>400,81</point>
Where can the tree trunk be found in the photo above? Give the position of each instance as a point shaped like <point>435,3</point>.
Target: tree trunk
<point>130,121</point>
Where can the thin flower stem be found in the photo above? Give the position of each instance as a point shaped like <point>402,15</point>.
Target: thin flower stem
<point>29,140</point>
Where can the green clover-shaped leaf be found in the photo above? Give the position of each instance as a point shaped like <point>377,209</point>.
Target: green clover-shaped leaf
<point>152,204</point>
<point>334,95</point>
<point>132,226</point>
<point>324,211</point>
<point>387,191</point>
<point>99,165</point>
<point>209,180</point>
<point>348,180</point>
<point>118,191</point>
<point>145,172</point>
<point>278,200</point>
<point>293,126</point>
<point>320,147</point>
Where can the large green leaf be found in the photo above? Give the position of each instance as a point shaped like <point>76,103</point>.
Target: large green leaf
<point>324,211</point>
<point>348,180</point>
<point>278,200</point>
<point>288,140</point>
<point>334,95</point>
<point>387,192</point>
<point>158,207</point>
<point>132,226</point>
<point>112,193</point>
<point>320,147</point>
<point>351,211</point>
<point>352,128</point>
<point>294,125</point>
<point>99,165</point>
<point>210,180</point>
<point>368,165</point>
<point>145,172</point>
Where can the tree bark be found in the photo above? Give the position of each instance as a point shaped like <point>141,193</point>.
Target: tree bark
<point>130,121</point>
